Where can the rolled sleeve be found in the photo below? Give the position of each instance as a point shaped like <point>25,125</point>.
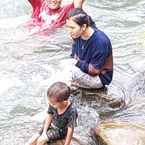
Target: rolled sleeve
<point>98,59</point>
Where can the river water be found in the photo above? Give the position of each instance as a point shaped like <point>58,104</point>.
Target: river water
<point>28,64</point>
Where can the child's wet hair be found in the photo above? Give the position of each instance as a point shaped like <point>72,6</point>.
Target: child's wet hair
<point>58,91</point>
<point>81,17</point>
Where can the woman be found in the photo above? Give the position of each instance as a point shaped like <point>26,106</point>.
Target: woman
<point>91,49</point>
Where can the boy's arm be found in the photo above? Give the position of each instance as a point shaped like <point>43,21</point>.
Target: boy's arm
<point>36,5</point>
<point>78,3</point>
<point>69,135</point>
<point>43,138</point>
<point>47,123</point>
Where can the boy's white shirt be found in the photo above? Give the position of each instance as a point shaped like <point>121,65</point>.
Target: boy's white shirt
<point>48,18</point>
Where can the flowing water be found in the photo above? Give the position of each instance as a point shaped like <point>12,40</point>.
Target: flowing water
<point>28,64</point>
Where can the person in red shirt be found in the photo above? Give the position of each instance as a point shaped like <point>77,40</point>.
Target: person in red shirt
<point>49,14</point>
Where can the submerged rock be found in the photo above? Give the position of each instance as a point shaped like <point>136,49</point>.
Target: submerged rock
<point>75,141</point>
<point>120,133</point>
<point>100,97</point>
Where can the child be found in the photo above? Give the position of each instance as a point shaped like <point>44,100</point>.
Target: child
<point>48,14</point>
<point>61,117</point>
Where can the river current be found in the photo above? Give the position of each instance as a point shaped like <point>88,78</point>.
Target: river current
<point>28,64</point>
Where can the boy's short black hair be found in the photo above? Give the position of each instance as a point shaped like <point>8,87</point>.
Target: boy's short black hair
<point>59,91</point>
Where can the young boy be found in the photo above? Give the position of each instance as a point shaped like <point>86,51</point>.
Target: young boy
<point>61,117</point>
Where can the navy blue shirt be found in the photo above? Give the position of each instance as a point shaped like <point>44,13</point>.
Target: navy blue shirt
<point>97,50</point>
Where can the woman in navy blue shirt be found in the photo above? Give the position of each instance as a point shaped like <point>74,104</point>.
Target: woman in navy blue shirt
<point>92,49</point>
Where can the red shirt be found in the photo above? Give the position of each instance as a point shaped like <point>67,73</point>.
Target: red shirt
<point>43,14</point>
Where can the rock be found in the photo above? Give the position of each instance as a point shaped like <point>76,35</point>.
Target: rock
<point>75,141</point>
<point>59,142</point>
<point>84,92</point>
<point>100,96</point>
<point>120,133</point>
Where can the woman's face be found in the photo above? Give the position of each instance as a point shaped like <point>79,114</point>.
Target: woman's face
<point>54,4</point>
<point>74,29</point>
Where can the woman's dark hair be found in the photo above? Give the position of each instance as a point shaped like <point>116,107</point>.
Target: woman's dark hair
<point>59,91</point>
<point>81,17</point>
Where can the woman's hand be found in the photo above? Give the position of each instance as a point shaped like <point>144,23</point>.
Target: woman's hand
<point>76,57</point>
<point>93,71</point>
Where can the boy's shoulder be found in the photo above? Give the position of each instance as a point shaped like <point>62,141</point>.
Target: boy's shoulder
<point>72,109</point>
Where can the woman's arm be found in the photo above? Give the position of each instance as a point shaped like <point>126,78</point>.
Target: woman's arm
<point>78,3</point>
<point>69,136</point>
<point>88,68</point>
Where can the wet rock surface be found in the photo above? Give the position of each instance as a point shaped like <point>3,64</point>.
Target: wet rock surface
<point>120,133</point>
<point>100,99</point>
<point>75,141</point>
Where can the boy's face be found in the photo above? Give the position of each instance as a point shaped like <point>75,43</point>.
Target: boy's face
<point>54,4</point>
<point>54,103</point>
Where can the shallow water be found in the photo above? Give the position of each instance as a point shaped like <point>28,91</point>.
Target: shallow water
<point>28,65</point>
